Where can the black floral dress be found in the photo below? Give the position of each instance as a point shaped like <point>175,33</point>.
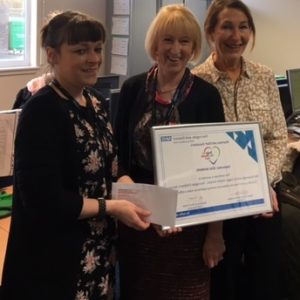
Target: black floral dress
<point>98,160</point>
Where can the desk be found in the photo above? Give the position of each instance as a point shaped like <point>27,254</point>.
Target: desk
<point>291,229</point>
<point>293,149</point>
<point>4,229</point>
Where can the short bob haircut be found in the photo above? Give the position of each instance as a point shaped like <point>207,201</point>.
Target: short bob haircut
<point>71,27</point>
<point>217,7</point>
<point>174,18</point>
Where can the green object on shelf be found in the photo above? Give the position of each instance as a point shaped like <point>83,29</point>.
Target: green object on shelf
<point>16,34</point>
<point>5,205</point>
<point>280,76</point>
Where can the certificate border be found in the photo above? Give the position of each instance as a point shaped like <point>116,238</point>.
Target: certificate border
<point>213,213</point>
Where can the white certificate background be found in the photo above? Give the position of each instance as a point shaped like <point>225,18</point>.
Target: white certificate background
<point>215,178</point>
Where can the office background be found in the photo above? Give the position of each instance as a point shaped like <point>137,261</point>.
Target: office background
<point>277,42</point>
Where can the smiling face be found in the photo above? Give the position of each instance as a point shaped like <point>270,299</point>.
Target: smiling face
<point>231,34</point>
<point>173,52</point>
<point>76,66</point>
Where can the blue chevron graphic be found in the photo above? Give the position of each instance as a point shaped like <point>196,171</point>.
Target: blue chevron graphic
<point>245,139</point>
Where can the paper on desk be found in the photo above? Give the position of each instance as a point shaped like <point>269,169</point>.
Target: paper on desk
<point>8,127</point>
<point>161,201</point>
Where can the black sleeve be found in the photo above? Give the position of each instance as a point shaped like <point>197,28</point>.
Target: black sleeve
<point>129,110</point>
<point>45,172</point>
<point>121,128</point>
<point>21,98</point>
<point>214,105</point>
<point>203,104</point>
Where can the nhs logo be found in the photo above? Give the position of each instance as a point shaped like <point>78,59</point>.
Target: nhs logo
<point>166,138</point>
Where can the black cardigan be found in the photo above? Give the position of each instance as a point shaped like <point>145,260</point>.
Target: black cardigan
<point>203,105</point>
<point>45,240</point>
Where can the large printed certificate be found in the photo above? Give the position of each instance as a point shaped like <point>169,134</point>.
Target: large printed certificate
<point>218,170</point>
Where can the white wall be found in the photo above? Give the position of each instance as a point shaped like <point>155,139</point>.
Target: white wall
<point>278,31</point>
<point>277,40</point>
<point>11,84</point>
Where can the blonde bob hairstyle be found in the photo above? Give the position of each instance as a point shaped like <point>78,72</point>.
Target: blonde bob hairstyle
<point>171,19</point>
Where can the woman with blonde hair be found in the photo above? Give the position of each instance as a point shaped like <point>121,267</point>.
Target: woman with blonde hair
<point>175,264</point>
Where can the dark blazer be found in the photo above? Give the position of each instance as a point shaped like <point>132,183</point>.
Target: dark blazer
<point>203,105</point>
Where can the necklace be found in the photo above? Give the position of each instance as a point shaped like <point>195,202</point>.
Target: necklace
<point>76,102</point>
<point>166,91</point>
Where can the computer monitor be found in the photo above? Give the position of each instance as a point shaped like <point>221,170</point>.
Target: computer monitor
<point>285,98</point>
<point>293,76</point>
<point>113,105</point>
<point>281,80</point>
<point>105,83</point>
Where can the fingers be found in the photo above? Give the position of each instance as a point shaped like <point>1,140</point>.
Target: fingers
<point>139,224</point>
<point>275,206</point>
<point>131,215</point>
<point>166,232</point>
<point>274,201</point>
<point>213,251</point>
<point>159,231</point>
<point>136,222</point>
<point>143,212</point>
<point>212,260</point>
<point>173,230</point>
<point>267,215</point>
<point>211,263</point>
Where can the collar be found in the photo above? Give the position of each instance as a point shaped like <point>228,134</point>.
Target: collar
<point>217,75</point>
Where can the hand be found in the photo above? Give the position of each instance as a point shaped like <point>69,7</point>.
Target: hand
<point>167,232</point>
<point>128,213</point>
<point>213,250</point>
<point>275,205</point>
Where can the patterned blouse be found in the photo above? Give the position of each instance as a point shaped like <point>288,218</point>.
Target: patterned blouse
<point>254,97</point>
<point>98,159</point>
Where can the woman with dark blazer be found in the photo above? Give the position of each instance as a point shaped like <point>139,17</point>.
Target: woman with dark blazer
<point>156,264</point>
